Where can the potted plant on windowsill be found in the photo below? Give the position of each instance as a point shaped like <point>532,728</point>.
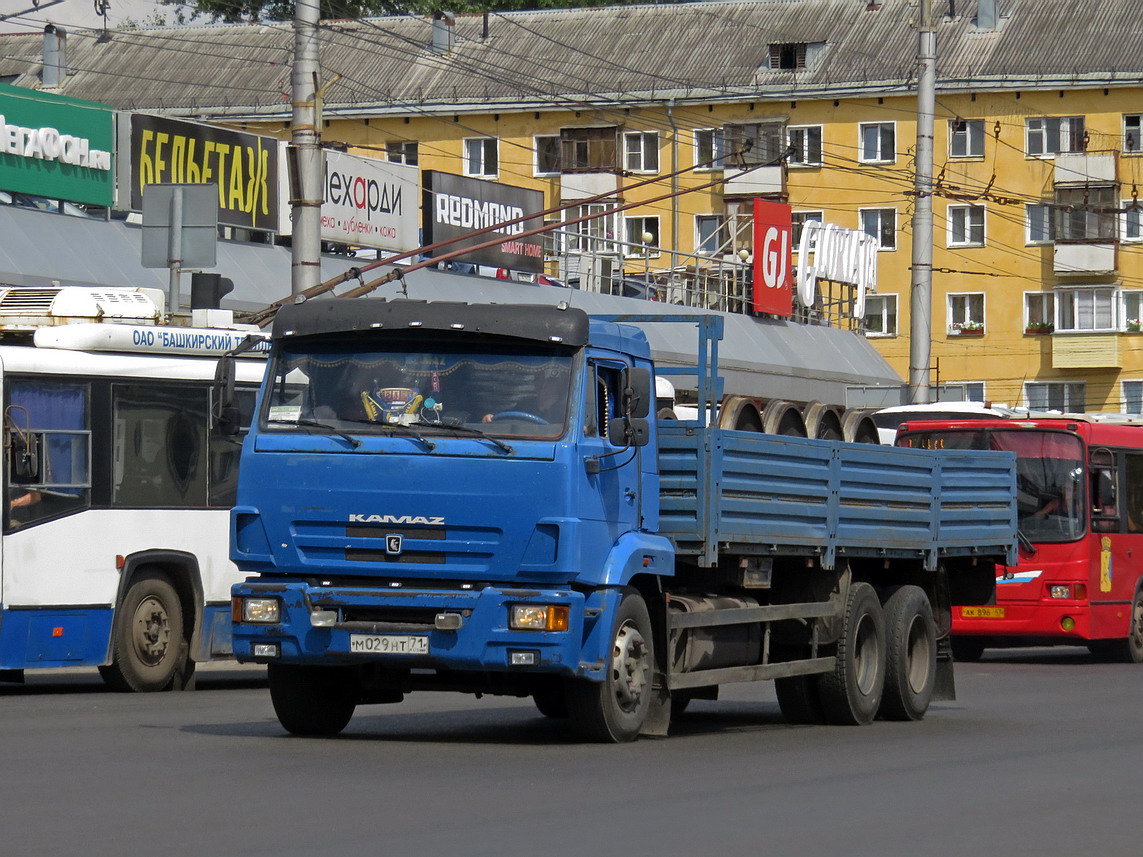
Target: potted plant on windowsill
<point>1039,327</point>
<point>966,328</point>
<point>1134,325</point>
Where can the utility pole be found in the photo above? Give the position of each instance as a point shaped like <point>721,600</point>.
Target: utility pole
<point>921,292</point>
<point>305,155</point>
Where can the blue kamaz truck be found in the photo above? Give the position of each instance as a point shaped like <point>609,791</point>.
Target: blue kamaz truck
<point>481,498</point>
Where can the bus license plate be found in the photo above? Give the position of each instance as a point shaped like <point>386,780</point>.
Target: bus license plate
<point>982,612</point>
<point>388,644</point>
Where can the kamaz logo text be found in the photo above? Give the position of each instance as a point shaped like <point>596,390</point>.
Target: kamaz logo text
<point>397,519</point>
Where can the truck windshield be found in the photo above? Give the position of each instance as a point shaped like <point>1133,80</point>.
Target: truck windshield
<point>500,391</point>
<point>1049,474</point>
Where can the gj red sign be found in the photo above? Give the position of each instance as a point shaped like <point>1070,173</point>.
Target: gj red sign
<point>773,258</point>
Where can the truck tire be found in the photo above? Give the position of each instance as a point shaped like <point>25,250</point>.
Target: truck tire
<point>613,710</point>
<point>798,698</point>
<point>148,639</point>
<point>552,702</point>
<point>910,655</point>
<point>308,700</point>
<point>1128,650</point>
<point>851,694</point>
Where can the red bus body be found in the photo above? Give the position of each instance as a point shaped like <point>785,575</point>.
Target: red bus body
<point>1080,498</point>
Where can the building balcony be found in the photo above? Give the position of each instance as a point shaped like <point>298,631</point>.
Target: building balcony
<point>1084,168</point>
<point>1083,259</point>
<point>575,186</point>
<point>1086,351</point>
<point>762,181</point>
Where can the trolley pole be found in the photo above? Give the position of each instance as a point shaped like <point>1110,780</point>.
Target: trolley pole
<point>305,155</point>
<point>921,291</point>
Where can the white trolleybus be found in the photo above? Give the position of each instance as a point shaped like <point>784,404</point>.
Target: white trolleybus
<point>117,487</point>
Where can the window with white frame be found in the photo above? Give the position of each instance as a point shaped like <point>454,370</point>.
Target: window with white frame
<point>711,233</point>
<point>966,138</point>
<point>641,151</point>
<point>1086,309</point>
<point>799,219</point>
<point>546,148</point>
<point>881,223</point>
<point>1133,397</point>
<point>1039,225</point>
<point>401,151</point>
<point>642,234</point>
<point>1055,396</point>
<point>970,391</point>
<point>1131,227</point>
<point>966,226</point>
<point>481,157</point>
<point>1132,128</point>
<point>1132,300</point>
<point>1087,213</point>
<point>805,143</point>
<point>878,142</point>
<point>710,148</point>
<point>1050,135</point>
<point>595,235</point>
<point>966,312</point>
<point>1040,312</point>
<point>880,315</point>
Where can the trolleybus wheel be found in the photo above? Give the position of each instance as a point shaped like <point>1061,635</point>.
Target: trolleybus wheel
<point>910,655</point>
<point>310,700</point>
<point>147,636</point>
<point>851,694</point>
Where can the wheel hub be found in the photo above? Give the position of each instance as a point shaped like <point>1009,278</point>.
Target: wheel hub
<point>629,667</point>
<point>152,628</point>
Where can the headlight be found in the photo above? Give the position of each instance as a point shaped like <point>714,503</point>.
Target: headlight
<point>1059,590</point>
<point>257,611</point>
<point>538,617</point>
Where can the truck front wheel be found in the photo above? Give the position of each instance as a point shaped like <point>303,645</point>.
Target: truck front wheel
<point>317,701</point>
<point>910,655</point>
<point>613,710</point>
<point>851,694</point>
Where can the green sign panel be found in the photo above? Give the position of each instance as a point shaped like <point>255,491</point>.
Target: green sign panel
<point>56,147</point>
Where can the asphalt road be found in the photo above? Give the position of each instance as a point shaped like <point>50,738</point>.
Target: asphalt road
<point>1040,755</point>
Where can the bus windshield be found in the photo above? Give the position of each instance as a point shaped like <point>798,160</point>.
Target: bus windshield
<point>1049,474</point>
<point>503,391</point>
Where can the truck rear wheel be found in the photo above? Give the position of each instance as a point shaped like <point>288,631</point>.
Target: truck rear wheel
<point>148,638</point>
<point>613,710</point>
<point>311,700</point>
<point>851,694</point>
<point>910,655</point>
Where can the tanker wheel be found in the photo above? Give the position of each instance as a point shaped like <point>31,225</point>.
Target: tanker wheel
<point>316,701</point>
<point>613,710</point>
<point>799,700</point>
<point>910,655</point>
<point>851,694</point>
<point>148,639</point>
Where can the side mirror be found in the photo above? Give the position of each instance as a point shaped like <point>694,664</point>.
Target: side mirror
<point>225,413</point>
<point>1105,490</point>
<point>25,461</point>
<point>637,396</point>
<point>622,431</point>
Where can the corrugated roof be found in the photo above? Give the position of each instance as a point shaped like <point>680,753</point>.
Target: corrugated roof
<point>576,57</point>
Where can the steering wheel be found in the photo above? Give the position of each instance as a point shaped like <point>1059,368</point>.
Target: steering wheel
<point>520,415</point>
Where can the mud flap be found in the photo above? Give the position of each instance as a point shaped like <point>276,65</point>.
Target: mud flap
<point>944,688</point>
<point>658,722</point>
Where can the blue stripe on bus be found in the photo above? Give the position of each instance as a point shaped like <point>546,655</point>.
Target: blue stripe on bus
<point>54,637</point>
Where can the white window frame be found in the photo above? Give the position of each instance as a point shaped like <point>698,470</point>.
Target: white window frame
<point>536,138</point>
<point>798,220</point>
<point>885,306</point>
<point>1041,216</point>
<point>971,391</point>
<point>963,222</point>
<point>641,151</point>
<point>966,311</point>
<point>1039,132</point>
<point>1067,400</point>
<point>1132,133</point>
<point>1131,221</point>
<point>966,138</point>
<point>596,235</point>
<point>875,133</point>
<point>806,142</point>
<point>885,246</point>
<point>714,140</point>
<point>1075,301</point>
<point>398,151</point>
<point>721,230</point>
<point>1126,397</point>
<point>1040,308</point>
<point>633,229</point>
<point>477,152</point>
<point>1131,309</point>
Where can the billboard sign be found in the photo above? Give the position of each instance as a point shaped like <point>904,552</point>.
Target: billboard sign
<point>455,206</point>
<point>56,147</point>
<point>243,167</point>
<point>773,258</point>
<point>370,203</point>
<point>840,255</point>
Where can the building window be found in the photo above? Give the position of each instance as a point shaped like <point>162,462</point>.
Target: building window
<point>788,56</point>
<point>805,141</point>
<point>1133,397</point>
<point>1085,309</point>
<point>401,152</point>
<point>966,226</point>
<point>1040,228</point>
<point>1133,309</point>
<point>966,138</point>
<point>881,223</point>
<point>588,150</point>
<point>711,234</point>
<point>710,148</point>
<point>642,151</point>
<point>1086,214</point>
<point>754,144</point>
<point>878,142</point>
<point>481,157</point>
<point>799,219</point>
<point>1055,396</point>
<point>1050,135</point>
<point>1131,228</point>
<point>595,235</point>
<point>1039,312</point>
<point>547,151</point>
<point>970,391</point>
<point>1132,127</point>
<point>966,313</point>
<point>880,315</point>
<point>642,236</point>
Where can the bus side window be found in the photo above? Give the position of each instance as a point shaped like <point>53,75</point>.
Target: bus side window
<point>159,441</point>
<point>1133,491</point>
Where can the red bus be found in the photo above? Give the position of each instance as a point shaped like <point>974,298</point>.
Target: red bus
<point>1080,509</point>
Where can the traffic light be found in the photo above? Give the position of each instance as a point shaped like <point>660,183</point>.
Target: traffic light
<point>207,290</point>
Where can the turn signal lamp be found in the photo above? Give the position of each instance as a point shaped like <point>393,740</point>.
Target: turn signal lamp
<point>256,611</point>
<point>1068,623</point>
<point>538,617</point>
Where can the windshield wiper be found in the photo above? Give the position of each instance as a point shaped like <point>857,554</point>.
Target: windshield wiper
<point>400,428</point>
<point>1025,542</point>
<point>467,430</point>
<point>350,439</point>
